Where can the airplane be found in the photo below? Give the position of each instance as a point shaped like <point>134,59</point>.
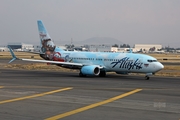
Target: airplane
<point>93,63</point>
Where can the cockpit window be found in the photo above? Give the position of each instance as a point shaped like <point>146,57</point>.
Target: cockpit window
<point>152,60</point>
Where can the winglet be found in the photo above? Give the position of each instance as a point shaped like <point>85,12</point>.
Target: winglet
<point>13,55</point>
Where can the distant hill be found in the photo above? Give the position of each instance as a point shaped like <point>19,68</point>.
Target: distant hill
<point>94,41</point>
<point>100,41</point>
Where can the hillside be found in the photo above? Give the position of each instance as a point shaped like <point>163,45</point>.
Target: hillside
<point>101,40</point>
<point>95,41</point>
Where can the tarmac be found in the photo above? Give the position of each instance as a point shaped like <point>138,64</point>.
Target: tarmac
<point>37,95</point>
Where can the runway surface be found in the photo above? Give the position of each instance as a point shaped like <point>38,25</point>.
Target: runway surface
<point>36,95</point>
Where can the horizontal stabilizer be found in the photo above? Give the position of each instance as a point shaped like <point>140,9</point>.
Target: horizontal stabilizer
<point>13,55</point>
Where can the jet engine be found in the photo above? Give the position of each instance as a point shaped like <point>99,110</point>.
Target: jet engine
<point>90,70</point>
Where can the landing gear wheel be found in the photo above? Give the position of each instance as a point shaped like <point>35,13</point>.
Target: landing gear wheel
<point>147,77</point>
<point>102,74</point>
<point>81,75</point>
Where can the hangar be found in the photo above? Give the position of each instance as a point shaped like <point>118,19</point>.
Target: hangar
<point>147,47</point>
<point>21,46</point>
<point>3,49</point>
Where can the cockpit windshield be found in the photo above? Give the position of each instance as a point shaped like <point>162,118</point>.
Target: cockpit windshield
<point>152,60</point>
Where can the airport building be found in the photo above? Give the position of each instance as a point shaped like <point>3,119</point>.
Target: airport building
<point>146,47</point>
<point>21,46</point>
<point>25,47</point>
<point>4,49</point>
<point>122,50</point>
<point>99,48</point>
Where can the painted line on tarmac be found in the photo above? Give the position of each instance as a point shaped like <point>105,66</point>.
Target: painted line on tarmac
<point>92,105</point>
<point>36,95</point>
<point>1,86</point>
<point>32,87</point>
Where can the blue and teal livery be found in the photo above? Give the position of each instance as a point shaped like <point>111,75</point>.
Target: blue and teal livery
<point>94,63</point>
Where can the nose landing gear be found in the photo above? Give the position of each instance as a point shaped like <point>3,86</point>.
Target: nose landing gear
<point>147,76</point>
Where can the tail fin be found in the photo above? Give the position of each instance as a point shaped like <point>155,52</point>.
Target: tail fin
<point>46,41</point>
<point>42,31</point>
<point>48,48</point>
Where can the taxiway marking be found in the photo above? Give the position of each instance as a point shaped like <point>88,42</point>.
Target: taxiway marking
<point>92,105</point>
<point>36,95</point>
<point>1,86</point>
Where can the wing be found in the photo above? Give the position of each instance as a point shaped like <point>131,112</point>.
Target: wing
<point>69,64</point>
<point>79,65</point>
<point>42,61</point>
<point>54,62</point>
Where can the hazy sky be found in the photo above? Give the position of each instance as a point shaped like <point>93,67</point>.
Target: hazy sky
<point>130,21</point>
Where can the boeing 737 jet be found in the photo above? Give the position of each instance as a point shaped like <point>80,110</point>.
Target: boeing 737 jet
<point>93,63</point>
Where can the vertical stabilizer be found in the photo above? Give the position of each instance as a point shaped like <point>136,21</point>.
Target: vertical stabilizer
<point>45,39</point>
<point>48,49</point>
<point>47,45</point>
<point>42,30</point>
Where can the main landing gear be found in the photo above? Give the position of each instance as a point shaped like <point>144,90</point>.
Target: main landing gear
<point>102,74</point>
<point>81,75</point>
<point>147,77</point>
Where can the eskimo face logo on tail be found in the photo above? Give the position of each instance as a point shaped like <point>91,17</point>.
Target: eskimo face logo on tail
<point>47,44</point>
<point>47,47</point>
<point>128,64</point>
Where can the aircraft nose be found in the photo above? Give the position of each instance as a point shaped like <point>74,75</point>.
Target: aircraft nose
<point>160,66</point>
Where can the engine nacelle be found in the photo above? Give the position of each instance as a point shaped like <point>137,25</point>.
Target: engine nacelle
<point>90,70</point>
